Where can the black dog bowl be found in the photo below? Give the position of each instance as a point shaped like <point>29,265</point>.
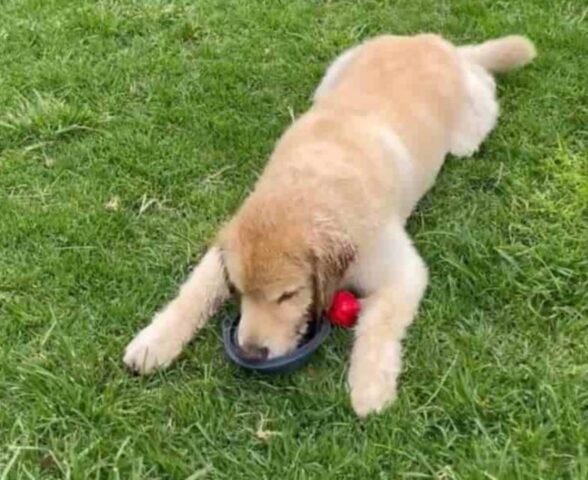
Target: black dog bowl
<point>317,332</point>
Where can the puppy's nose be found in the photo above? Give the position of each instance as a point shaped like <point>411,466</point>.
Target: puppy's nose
<point>252,352</point>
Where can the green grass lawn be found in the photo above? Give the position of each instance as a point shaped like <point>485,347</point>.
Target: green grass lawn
<point>130,130</point>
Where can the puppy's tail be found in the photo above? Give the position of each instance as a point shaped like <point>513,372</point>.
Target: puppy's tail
<point>502,54</point>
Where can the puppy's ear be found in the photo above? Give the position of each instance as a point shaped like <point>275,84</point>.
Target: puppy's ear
<point>332,253</point>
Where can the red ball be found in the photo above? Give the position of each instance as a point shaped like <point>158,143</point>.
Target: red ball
<point>344,309</point>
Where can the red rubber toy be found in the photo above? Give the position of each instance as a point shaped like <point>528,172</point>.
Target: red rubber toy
<point>344,309</point>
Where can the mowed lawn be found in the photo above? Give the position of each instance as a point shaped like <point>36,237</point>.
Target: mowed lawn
<point>130,130</point>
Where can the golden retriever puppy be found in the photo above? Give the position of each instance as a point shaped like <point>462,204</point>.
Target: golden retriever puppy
<point>330,208</point>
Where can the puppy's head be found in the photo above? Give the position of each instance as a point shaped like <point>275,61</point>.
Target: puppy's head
<point>285,267</point>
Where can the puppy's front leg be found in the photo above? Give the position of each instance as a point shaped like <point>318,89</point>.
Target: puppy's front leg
<point>158,344</point>
<point>398,282</point>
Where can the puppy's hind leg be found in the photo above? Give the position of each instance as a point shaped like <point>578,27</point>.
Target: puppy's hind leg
<point>479,111</point>
<point>395,278</point>
<point>158,344</point>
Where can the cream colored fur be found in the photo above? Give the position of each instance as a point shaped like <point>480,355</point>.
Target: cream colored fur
<point>330,208</point>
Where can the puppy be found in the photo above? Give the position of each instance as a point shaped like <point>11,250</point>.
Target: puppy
<point>330,208</point>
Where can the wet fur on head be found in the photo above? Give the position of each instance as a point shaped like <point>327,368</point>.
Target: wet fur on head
<point>277,249</point>
<point>266,234</point>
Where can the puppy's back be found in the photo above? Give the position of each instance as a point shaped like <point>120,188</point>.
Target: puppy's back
<point>414,84</point>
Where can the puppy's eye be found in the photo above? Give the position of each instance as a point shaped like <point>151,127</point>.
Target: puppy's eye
<point>287,296</point>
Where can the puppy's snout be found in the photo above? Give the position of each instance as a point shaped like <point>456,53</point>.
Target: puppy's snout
<point>253,352</point>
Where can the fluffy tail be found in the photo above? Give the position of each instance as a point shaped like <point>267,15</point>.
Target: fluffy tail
<point>502,54</point>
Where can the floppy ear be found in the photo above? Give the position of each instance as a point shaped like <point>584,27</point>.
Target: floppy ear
<point>332,253</point>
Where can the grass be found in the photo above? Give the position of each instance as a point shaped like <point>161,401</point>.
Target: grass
<point>130,130</point>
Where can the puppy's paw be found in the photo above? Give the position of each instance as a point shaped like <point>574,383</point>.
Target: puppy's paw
<point>372,377</point>
<point>154,347</point>
<point>371,397</point>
